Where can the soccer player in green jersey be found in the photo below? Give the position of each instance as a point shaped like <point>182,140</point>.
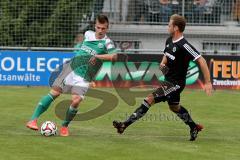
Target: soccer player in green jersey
<point>95,47</point>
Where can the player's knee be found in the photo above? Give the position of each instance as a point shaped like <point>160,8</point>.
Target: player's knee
<point>150,99</point>
<point>174,108</point>
<point>76,99</point>
<point>55,92</point>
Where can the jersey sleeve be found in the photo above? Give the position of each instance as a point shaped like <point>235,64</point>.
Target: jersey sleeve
<point>77,49</point>
<point>166,44</point>
<point>191,51</point>
<point>110,46</point>
<point>78,45</point>
<point>89,34</point>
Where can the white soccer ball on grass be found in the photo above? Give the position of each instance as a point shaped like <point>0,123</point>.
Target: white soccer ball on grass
<point>48,128</point>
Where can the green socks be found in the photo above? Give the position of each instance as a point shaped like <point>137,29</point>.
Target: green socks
<point>71,113</point>
<point>42,106</point>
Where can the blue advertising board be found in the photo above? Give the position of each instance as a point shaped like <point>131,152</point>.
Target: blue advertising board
<point>29,67</point>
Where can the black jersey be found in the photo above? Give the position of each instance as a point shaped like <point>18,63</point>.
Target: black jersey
<point>179,53</point>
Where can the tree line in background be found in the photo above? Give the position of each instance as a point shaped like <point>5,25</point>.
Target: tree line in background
<point>41,23</point>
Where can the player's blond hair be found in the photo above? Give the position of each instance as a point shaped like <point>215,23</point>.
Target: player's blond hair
<point>179,21</point>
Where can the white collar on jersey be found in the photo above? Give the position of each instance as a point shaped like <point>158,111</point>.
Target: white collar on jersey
<point>178,39</point>
<point>90,36</point>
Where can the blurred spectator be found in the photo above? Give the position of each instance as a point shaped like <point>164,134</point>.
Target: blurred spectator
<point>206,11</point>
<point>176,7</point>
<point>200,2</point>
<point>158,10</point>
<point>195,11</point>
<point>211,3</point>
<point>123,10</point>
<point>199,8</point>
<point>213,12</point>
<point>97,8</point>
<point>188,10</point>
<point>136,10</point>
<point>165,10</point>
<point>227,6</point>
<point>236,11</point>
<point>153,10</point>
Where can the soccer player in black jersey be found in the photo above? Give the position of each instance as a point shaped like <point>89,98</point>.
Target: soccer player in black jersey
<point>178,53</point>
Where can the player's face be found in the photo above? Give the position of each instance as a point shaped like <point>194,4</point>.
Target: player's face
<point>170,27</point>
<point>101,29</point>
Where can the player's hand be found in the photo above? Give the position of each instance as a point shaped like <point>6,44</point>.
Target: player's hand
<point>120,57</point>
<point>163,68</point>
<point>208,88</point>
<point>93,60</point>
<point>92,84</point>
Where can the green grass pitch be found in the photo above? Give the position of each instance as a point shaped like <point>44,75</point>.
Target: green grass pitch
<point>164,137</point>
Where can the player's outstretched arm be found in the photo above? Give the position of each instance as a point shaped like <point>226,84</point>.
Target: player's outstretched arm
<point>113,57</point>
<point>162,65</point>
<point>206,74</point>
<point>164,61</point>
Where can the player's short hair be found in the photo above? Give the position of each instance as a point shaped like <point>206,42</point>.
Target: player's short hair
<point>179,21</point>
<point>101,18</point>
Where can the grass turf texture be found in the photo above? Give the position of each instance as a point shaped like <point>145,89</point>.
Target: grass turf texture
<point>159,135</point>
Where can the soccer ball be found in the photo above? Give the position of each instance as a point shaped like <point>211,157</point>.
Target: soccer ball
<point>48,128</point>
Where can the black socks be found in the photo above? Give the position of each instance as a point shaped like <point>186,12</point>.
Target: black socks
<point>139,112</point>
<point>185,116</point>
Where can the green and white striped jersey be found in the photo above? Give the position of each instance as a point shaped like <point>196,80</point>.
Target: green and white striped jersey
<point>88,48</point>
